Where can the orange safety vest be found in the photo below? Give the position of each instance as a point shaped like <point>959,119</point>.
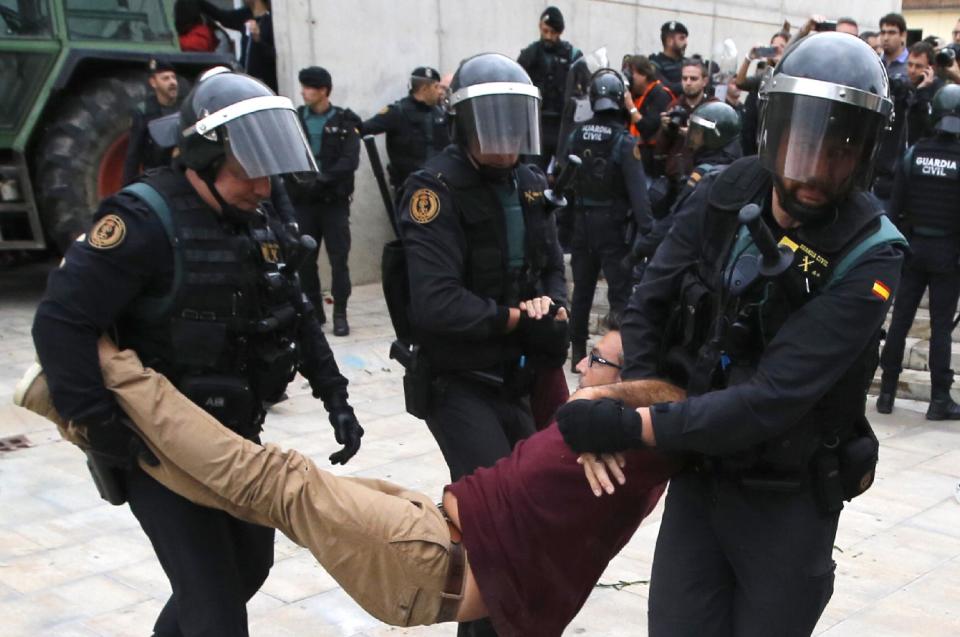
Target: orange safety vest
<point>638,104</point>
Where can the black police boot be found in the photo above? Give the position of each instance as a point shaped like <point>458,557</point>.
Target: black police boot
<point>340,325</point>
<point>885,402</point>
<point>578,350</point>
<point>942,407</point>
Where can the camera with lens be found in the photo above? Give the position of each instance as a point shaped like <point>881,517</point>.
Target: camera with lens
<point>946,56</point>
<point>678,118</point>
<point>900,87</point>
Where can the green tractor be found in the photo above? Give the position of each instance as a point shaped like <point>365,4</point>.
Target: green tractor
<point>71,73</point>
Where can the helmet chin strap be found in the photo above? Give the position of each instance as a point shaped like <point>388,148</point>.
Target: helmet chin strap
<point>806,215</point>
<point>230,212</point>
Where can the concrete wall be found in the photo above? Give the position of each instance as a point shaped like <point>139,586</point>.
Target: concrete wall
<point>934,22</point>
<point>370,47</point>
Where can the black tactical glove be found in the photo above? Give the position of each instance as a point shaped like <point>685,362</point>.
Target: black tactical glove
<point>113,439</point>
<point>346,429</point>
<point>544,340</point>
<point>599,426</point>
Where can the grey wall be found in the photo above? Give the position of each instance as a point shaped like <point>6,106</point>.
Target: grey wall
<point>370,47</point>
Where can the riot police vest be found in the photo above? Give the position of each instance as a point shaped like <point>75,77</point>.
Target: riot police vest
<point>230,316</point>
<point>704,356</point>
<point>481,214</point>
<point>341,124</point>
<point>549,73</point>
<point>932,190</point>
<point>597,143</point>
<point>422,134</point>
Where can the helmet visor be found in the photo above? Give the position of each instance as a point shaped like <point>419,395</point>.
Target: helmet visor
<point>819,142</point>
<point>501,124</point>
<point>270,142</point>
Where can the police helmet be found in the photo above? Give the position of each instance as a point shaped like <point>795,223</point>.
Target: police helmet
<point>606,91</point>
<point>945,110</point>
<point>494,107</point>
<point>822,122</point>
<point>713,125</point>
<point>233,113</point>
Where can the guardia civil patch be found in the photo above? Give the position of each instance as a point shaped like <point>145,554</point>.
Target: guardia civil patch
<point>424,206</point>
<point>107,233</point>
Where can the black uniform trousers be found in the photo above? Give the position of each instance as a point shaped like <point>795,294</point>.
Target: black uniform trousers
<point>475,425</point>
<point>933,265</point>
<point>598,245</point>
<point>215,563</point>
<point>327,222</point>
<point>733,561</point>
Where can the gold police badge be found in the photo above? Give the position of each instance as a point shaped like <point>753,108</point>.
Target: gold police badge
<point>107,233</point>
<point>424,206</point>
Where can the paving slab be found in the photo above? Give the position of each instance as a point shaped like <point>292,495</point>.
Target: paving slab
<point>73,566</point>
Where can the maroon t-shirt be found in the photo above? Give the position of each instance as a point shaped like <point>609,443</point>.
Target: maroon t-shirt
<point>536,536</point>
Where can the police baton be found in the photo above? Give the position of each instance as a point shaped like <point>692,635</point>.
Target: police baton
<point>555,195</point>
<point>370,142</point>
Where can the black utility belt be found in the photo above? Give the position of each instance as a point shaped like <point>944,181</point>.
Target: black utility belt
<point>229,399</point>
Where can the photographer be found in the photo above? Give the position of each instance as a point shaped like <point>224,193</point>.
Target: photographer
<point>646,99</point>
<point>912,94</point>
<point>767,59</point>
<point>672,151</point>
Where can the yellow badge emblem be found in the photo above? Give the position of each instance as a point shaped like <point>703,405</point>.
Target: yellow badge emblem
<point>532,195</point>
<point>424,206</point>
<point>636,152</point>
<point>384,110</point>
<point>270,252</point>
<point>107,233</point>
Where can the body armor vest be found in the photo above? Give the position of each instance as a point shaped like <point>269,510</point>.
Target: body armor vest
<point>933,186</point>
<point>339,127</point>
<point>704,357</point>
<point>549,74</point>
<point>423,134</point>
<point>231,315</point>
<point>599,181</point>
<point>486,263</point>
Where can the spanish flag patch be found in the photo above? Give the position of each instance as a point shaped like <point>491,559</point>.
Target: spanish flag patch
<point>881,290</point>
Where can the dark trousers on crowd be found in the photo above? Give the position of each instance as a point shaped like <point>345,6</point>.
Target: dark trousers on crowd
<point>598,245</point>
<point>932,265</point>
<point>329,223</point>
<point>732,561</point>
<point>475,425</point>
<point>215,563</point>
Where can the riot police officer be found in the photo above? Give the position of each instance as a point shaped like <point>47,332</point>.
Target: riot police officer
<point>191,269</point>
<point>416,126</point>
<point>547,61</point>
<point>714,139</point>
<point>142,151</point>
<point>772,325</point>
<point>485,269</point>
<point>611,194</point>
<point>924,203</point>
<point>323,202</point>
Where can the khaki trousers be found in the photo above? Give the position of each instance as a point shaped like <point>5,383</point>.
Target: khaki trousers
<point>387,547</point>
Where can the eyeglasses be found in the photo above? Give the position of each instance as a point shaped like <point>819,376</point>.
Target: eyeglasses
<point>596,358</point>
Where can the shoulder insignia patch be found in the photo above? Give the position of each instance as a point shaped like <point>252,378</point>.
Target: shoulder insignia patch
<point>532,195</point>
<point>636,152</point>
<point>107,233</point>
<point>424,206</point>
<point>384,110</point>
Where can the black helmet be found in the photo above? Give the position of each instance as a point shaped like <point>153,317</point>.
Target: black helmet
<point>945,110</point>
<point>713,125</point>
<point>494,106</point>
<point>234,113</point>
<point>824,112</point>
<point>606,91</point>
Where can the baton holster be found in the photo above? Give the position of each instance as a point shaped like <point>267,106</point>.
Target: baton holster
<point>107,477</point>
<point>417,379</point>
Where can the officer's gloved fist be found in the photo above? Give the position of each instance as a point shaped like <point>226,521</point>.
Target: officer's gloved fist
<point>599,426</point>
<point>346,430</point>
<point>545,340</point>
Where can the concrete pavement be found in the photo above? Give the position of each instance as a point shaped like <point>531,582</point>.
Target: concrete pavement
<point>73,566</point>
